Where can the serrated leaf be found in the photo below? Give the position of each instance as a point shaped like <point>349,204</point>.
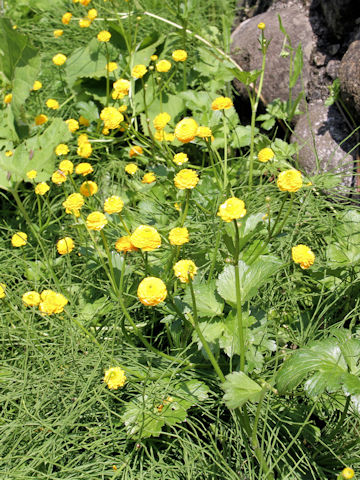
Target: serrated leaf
<point>208,302</point>
<point>239,389</point>
<point>89,61</point>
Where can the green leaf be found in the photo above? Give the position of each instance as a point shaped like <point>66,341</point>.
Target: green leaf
<point>88,61</point>
<point>239,389</point>
<point>247,78</point>
<point>88,110</point>
<point>241,136</point>
<point>12,45</point>
<point>297,66</point>
<point>208,302</point>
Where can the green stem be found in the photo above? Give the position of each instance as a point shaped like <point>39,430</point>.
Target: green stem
<point>216,248</point>
<point>238,299</point>
<point>108,254</point>
<point>185,212</point>
<point>292,196</point>
<point>124,224</point>
<point>107,75</point>
<point>225,152</point>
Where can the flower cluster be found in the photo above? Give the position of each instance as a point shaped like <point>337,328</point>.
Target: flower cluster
<point>48,301</point>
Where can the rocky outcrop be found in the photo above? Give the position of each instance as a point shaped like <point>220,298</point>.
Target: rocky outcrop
<point>349,74</point>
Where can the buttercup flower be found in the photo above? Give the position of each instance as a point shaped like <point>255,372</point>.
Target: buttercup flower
<point>160,135</point>
<point>58,33</point>
<point>84,22</point>
<point>31,299</point>
<point>104,36</point>
<point>111,117</point>
<point>66,18</point>
<point>96,221</point>
<point>114,378</point>
<point>147,238</point>
<point>221,103</point>
<point>186,179</point>
<point>59,59</point>
<point>131,168</point>
<point>84,150</point>
<point>232,209</point>
<point>265,155</point>
<point>88,189</point>
<point>186,129</point>
<point>111,66</point>
<point>41,119</point>
<point>135,150</point>
<point>65,245</point>
<point>73,204</point>
<point>184,269</point>
<point>151,291</point>
<point>58,177</point>
<point>289,181</point>
<point>179,55</point>
<point>9,153</point>
<point>83,169</point>
<point>122,85</point>
<point>8,98</point>
<point>348,473</point>
<point>66,166</point>
<point>52,302</point>
<point>204,132</point>
<point>303,255</point>
<point>261,25</point>
<point>180,158</point>
<point>37,85</point>
<point>85,2</point>
<point>149,177</point>
<point>62,149</point>
<point>42,188</point>
<point>72,124</point>
<point>2,290</point>
<point>19,239</point>
<point>153,58</point>
<point>84,121</point>
<point>138,71</point>
<point>163,66</point>
<point>92,14</point>
<point>124,244</point>
<point>52,103</point>
<point>113,204</point>
<point>31,174</point>
<point>179,236</point>
<point>161,120</point>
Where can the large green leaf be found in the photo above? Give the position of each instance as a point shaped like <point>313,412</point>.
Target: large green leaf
<point>89,61</point>
<point>344,251</point>
<point>12,45</point>
<point>208,301</point>
<point>252,277</point>
<point>239,389</point>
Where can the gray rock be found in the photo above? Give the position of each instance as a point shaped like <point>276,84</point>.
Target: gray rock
<point>245,49</point>
<point>340,15</point>
<point>349,75</point>
<point>320,134</point>
<point>332,69</point>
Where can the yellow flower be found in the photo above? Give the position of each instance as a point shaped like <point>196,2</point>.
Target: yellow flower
<point>52,302</point>
<point>2,290</point>
<point>160,135</point>
<point>204,132</point>
<point>88,188</point>
<point>113,204</point>
<point>19,239</point>
<point>135,150</point>
<point>303,255</point>
<point>151,291</point>
<point>66,18</point>
<point>8,98</point>
<point>261,25</point>
<point>66,166</point>
<point>232,209</point>
<point>149,177</point>
<point>59,59</point>
<point>84,169</point>
<point>83,138</point>
<point>31,299</point>
<point>92,13</point>
<point>85,2</point>
<point>73,204</point>
<point>84,150</point>
<point>179,236</point>
<point>348,473</point>
<point>131,168</point>
<point>31,174</point>
<point>122,108</point>
<point>84,121</point>
<point>289,181</point>
<point>184,269</point>
<point>96,221</point>
<point>37,85</point>
<point>9,153</point>
<point>111,117</point>
<point>186,179</point>
<point>161,120</point>
<point>53,104</point>
<point>114,378</point>
<point>41,119</point>
<point>163,66</point>
<point>111,66</point>
<point>42,188</point>
<point>147,238</point>
<point>124,244</point>
<point>265,155</point>
<point>104,36</point>
<point>221,103</point>
<point>180,158</point>
<point>84,22</point>
<point>122,86</point>
<point>179,55</point>
<point>177,206</point>
<point>58,33</point>
<point>72,124</point>
<point>62,149</point>
<point>186,130</point>
<point>65,245</point>
<point>153,58</point>
<point>138,71</point>
<point>58,177</point>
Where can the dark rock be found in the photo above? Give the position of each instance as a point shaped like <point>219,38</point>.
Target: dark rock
<point>349,75</point>
<point>245,49</point>
<point>340,15</point>
<point>332,69</point>
<point>320,133</point>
